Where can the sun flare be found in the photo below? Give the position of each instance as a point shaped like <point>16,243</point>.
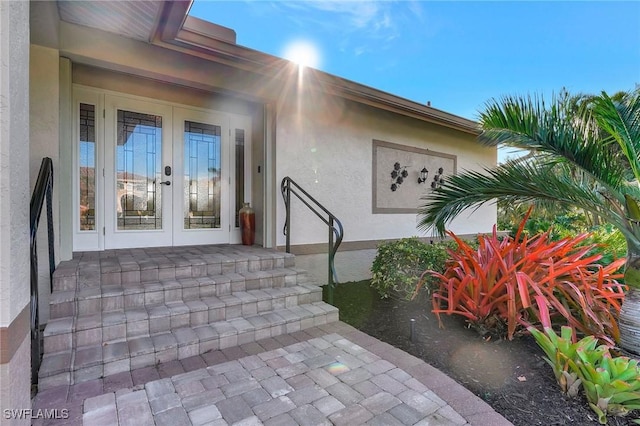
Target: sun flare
<point>302,53</point>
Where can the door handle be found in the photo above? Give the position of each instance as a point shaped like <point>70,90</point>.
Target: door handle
<point>165,183</point>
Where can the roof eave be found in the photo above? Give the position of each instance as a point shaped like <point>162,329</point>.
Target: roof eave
<point>176,29</point>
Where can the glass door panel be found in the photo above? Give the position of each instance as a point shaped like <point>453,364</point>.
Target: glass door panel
<point>239,173</point>
<point>87,166</point>
<point>138,192</point>
<point>241,178</point>
<point>202,175</point>
<point>201,151</point>
<point>138,170</point>
<point>172,175</point>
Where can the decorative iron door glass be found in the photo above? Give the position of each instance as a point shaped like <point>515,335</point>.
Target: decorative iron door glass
<point>202,175</point>
<point>169,173</point>
<point>201,197</point>
<point>87,166</point>
<point>139,171</point>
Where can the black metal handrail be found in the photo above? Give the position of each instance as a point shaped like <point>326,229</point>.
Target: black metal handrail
<point>288,187</point>
<point>42,191</point>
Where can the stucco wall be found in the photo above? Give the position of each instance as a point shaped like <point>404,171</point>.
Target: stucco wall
<point>15,386</point>
<point>14,197</point>
<point>43,132</point>
<point>325,144</point>
<point>14,160</point>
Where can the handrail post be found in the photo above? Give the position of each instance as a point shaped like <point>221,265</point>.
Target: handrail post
<point>330,263</point>
<point>36,349</point>
<point>43,192</point>
<point>287,224</point>
<point>52,259</point>
<point>335,226</point>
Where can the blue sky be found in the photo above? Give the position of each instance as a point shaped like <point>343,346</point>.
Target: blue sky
<point>454,54</point>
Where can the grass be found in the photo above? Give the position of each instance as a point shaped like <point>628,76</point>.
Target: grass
<point>355,301</point>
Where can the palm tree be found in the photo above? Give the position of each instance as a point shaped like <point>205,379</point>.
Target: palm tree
<point>586,155</point>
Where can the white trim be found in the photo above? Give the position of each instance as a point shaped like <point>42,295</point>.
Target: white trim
<point>270,188</point>
<point>107,102</point>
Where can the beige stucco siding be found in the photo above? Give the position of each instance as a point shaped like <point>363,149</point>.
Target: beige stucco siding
<point>14,160</point>
<point>14,206</point>
<point>325,144</point>
<point>44,116</point>
<point>15,383</point>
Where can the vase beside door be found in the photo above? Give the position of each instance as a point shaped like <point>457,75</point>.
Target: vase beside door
<point>247,224</point>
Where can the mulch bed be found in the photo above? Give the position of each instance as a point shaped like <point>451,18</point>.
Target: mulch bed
<point>511,376</point>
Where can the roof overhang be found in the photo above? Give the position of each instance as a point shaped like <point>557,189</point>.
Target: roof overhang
<point>167,24</point>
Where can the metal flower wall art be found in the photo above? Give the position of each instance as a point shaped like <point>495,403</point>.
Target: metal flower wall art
<point>438,179</point>
<point>398,175</point>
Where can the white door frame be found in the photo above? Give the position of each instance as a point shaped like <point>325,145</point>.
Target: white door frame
<point>106,235</point>
<point>115,238</point>
<point>221,235</point>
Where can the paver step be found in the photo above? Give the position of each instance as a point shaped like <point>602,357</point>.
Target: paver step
<point>97,327</point>
<point>124,267</point>
<point>117,310</point>
<point>114,297</point>
<point>94,361</point>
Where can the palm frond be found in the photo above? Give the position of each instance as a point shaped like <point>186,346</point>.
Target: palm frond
<point>620,118</point>
<point>516,183</point>
<point>564,131</point>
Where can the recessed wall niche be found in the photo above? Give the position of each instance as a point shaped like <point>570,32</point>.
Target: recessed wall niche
<point>391,161</point>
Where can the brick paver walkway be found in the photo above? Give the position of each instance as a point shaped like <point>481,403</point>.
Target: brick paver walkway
<point>332,374</point>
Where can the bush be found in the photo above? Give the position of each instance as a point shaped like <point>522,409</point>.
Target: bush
<point>493,287</point>
<point>399,264</point>
<point>559,227</point>
<point>610,243</point>
<point>611,384</point>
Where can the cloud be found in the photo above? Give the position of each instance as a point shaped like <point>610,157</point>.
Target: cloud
<point>364,25</point>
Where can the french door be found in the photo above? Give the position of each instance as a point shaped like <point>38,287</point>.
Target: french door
<point>202,178</point>
<point>172,175</point>
<point>138,198</point>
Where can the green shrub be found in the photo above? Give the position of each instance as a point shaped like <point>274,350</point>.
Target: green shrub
<point>561,354</point>
<point>399,264</point>
<point>611,384</point>
<point>562,226</point>
<point>610,241</point>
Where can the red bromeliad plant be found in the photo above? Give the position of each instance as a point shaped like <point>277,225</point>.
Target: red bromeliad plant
<point>496,284</point>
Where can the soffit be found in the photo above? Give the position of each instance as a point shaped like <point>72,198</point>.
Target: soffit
<point>167,24</point>
<point>133,19</point>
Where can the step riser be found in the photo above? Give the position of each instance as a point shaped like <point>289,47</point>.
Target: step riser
<point>110,298</point>
<point>141,321</point>
<point>104,360</point>
<point>122,310</point>
<point>71,276</point>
